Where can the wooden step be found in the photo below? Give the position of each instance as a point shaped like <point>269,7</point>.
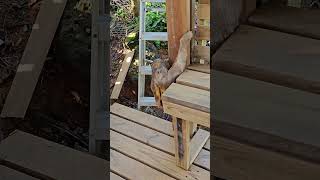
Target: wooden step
<point>205,68</point>
<point>304,22</point>
<point>187,103</point>
<point>50,159</point>
<point>195,79</point>
<point>267,115</point>
<point>271,56</point>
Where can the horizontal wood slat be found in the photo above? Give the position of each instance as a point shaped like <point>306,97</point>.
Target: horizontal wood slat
<point>204,11</point>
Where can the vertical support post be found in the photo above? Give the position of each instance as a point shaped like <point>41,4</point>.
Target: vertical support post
<point>181,131</point>
<point>99,105</point>
<point>178,23</point>
<point>142,50</point>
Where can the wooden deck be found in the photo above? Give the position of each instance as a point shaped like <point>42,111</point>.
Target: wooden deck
<point>267,99</point>
<point>24,156</point>
<point>142,147</point>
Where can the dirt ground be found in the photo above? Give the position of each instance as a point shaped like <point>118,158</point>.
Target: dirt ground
<point>59,109</point>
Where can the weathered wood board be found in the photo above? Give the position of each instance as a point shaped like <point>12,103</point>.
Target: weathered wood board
<point>11,174</point>
<point>195,79</point>
<point>200,67</point>
<point>154,158</point>
<point>271,56</point>
<point>236,160</point>
<point>267,115</point>
<point>122,75</point>
<point>51,159</point>
<point>304,22</point>
<point>33,58</point>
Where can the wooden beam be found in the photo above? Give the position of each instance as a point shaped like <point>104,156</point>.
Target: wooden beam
<point>178,18</point>
<point>122,75</point>
<point>33,58</point>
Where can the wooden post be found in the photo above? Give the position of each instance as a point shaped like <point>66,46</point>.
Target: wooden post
<point>99,105</point>
<point>181,130</point>
<point>178,23</point>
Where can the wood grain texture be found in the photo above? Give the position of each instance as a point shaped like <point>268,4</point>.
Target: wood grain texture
<point>115,177</point>
<point>155,158</point>
<point>143,119</point>
<point>122,75</point>
<point>200,67</point>
<point>132,169</point>
<point>11,174</point>
<point>267,109</point>
<point>195,79</point>
<point>203,33</point>
<point>196,144</point>
<point>153,138</point>
<point>204,11</point>
<point>178,18</point>
<point>244,53</point>
<point>188,96</point>
<point>51,159</point>
<point>186,113</point>
<point>181,131</point>
<point>304,22</point>
<point>201,52</point>
<point>34,55</point>
<point>240,161</point>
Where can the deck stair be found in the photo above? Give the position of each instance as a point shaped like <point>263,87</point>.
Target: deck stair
<point>269,68</point>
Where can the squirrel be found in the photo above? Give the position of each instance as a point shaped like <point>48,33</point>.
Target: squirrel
<point>163,75</point>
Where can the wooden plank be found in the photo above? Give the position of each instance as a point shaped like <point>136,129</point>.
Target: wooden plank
<point>235,160</point>
<point>200,67</point>
<point>241,55</point>
<point>155,158</point>
<point>33,58</point>
<point>197,142</point>
<point>196,116</point>
<point>191,97</point>
<point>204,11</point>
<point>143,134</point>
<point>51,159</point>
<point>204,1</point>
<point>132,169</point>
<point>202,52</point>
<point>115,177</point>
<point>122,75</point>
<point>203,33</point>
<point>207,145</point>
<point>153,138</point>
<point>11,174</point>
<point>195,79</point>
<point>178,18</point>
<point>143,119</point>
<point>288,19</point>
<point>285,106</point>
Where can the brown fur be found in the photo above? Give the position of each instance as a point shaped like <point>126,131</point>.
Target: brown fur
<point>162,76</point>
